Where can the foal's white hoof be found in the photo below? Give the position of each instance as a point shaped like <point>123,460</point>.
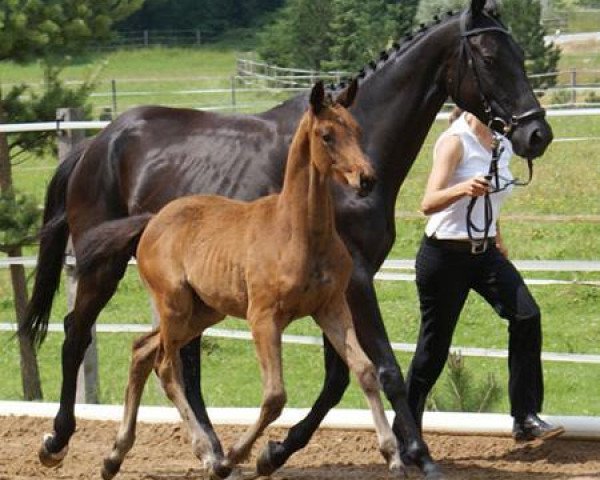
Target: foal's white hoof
<point>49,459</point>
<point>397,468</point>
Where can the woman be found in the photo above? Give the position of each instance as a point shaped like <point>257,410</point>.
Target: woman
<point>449,264</point>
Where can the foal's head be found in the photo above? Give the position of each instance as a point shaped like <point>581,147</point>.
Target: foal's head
<point>335,139</point>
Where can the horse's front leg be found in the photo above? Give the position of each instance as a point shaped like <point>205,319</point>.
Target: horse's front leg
<point>335,320</point>
<point>373,338</point>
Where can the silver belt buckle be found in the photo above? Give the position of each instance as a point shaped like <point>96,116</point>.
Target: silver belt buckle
<point>479,246</point>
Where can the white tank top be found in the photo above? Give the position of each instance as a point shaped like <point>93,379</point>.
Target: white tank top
<point>451,223</point>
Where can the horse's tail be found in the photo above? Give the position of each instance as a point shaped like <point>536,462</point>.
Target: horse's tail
<point>101,243</point>
<point>54,235</point>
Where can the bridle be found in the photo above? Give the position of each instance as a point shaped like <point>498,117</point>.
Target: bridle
<point>502,123</point>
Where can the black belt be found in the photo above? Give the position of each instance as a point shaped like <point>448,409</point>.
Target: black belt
<point>463,246</point>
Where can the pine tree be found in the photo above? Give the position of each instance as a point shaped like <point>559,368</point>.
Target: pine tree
<point>523,18</point>
<point>299,36</point>
<point>360,29</point>
<point>427,9</point>
<point>48,31</point>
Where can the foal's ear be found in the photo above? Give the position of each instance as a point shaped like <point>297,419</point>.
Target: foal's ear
<point>317,97</point>
<point>346,98</point>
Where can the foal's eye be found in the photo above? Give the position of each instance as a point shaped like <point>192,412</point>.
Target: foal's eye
<point>328,139</point>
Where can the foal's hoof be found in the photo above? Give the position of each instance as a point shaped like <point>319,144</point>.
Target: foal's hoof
<point>219,470</point>
<point>397,468</point>
<point>47,458</point>
<point>110,468</point>
<point>270,459</point>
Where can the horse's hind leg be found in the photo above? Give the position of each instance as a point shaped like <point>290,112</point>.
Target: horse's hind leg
<point>93,292</point>
<point>142,360</point>
<point>191,363</point>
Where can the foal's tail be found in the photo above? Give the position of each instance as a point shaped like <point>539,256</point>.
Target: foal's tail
<point>53,241</point>
<point>108,239</point>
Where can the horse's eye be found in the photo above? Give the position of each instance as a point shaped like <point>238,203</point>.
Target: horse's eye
<point>488,61</point>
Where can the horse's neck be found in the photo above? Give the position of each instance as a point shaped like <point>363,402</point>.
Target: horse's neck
<point>305,203</point>
<point>397,104</point>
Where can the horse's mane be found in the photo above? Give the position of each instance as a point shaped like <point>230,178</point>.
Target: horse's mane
<point>397,49</point>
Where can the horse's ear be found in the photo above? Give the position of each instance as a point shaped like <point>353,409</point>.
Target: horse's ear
<point>477,6</point>
<point>346,98</point>
<point>317,97</point>
<point>480,6</point>
<point>491,6</point>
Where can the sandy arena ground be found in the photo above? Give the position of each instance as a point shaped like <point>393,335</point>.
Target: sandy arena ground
<point>162,452</point>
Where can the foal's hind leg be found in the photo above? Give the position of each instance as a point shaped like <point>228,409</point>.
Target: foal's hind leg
<point>143,358</point>
<point>267,338</point>
<point>336,322</point>
<point>93,292</point>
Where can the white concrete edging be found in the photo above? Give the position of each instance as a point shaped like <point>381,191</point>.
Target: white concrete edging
<point>454,423</point>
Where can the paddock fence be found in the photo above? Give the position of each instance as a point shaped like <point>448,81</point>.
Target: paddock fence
<point>256,86</point>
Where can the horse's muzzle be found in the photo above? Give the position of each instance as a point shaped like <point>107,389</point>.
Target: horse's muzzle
<point>367,183</point>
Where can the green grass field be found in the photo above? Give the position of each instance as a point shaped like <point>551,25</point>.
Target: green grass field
<point>565,184</point>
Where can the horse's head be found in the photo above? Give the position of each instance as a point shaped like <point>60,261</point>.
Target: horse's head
<point>335,139</point>
<point>487,77</point>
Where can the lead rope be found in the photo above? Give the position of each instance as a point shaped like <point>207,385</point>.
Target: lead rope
<point>479,245</point>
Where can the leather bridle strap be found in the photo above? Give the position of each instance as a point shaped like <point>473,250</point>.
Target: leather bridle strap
<point>504,122</point>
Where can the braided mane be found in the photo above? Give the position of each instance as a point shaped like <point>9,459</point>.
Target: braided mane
<point>398,48</point>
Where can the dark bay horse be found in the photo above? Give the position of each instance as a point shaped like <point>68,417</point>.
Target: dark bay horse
<point>270,261</point>
<point>151,155</point>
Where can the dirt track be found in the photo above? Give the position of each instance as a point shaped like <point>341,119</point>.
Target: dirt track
<point>162,452</point>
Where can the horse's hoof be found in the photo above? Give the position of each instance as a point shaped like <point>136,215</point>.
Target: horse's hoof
<point>433,472</point>
<point>270,459</point>
<point>110,468</point>
<point>49,459</point>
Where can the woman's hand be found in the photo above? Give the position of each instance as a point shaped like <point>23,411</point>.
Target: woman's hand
<point>475,187</point>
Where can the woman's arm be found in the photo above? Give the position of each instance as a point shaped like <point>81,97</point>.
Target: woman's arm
<point>438,195</point>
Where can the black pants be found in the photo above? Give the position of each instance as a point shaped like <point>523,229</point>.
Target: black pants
<point>444,279</point>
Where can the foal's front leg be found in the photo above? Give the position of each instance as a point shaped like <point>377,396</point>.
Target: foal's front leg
<point>335,320</point>
<point>267,339</point>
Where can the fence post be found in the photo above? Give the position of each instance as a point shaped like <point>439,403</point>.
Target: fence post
<point>198,37</point>
<point>87,379</point>
<point>113,89</point>
<point>145,38</point>
<point>574,86</point>
<point>233,99</point>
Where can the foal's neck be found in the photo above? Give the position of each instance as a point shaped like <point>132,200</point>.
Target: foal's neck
<point>305,202</point>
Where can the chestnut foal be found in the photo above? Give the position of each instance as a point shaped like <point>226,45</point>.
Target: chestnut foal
<point>270,261</point>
